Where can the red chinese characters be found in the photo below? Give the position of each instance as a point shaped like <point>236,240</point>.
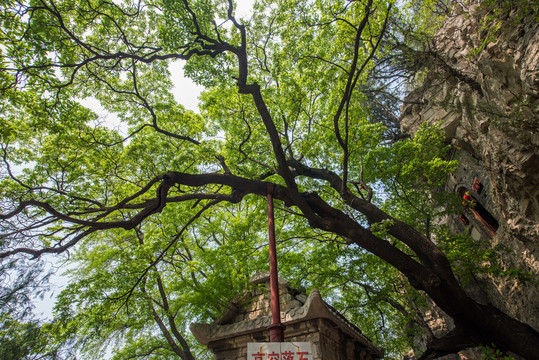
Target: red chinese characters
<point>279,351</point>
<point>259,356</point>
<point>287,355</point>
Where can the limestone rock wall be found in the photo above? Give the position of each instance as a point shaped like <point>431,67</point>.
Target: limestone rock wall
<point>486,98</point>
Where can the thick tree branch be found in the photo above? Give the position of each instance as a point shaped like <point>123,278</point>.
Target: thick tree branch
<point>451,343</point>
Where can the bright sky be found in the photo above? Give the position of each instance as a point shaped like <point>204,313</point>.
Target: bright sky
<point>185,91</point>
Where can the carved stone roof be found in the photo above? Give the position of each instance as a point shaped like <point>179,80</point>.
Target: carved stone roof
<point>295,308</point>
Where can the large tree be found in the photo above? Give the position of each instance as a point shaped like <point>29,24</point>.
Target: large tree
<point>288,103</point>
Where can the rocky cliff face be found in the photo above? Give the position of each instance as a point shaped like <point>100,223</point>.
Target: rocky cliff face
<point>485,95</point>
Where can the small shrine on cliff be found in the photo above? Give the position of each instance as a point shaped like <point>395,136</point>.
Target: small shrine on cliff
<point>312,328</point>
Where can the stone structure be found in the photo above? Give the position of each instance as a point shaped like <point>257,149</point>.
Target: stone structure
<point>480,221</point>
<point>485,96</point>
<point>306,319</point>
<point>488,105</point>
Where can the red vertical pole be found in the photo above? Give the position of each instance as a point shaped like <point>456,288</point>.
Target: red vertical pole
<point>276,328</point>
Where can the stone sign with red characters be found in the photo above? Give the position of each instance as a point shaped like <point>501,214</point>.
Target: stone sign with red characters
<point>279,351</point>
